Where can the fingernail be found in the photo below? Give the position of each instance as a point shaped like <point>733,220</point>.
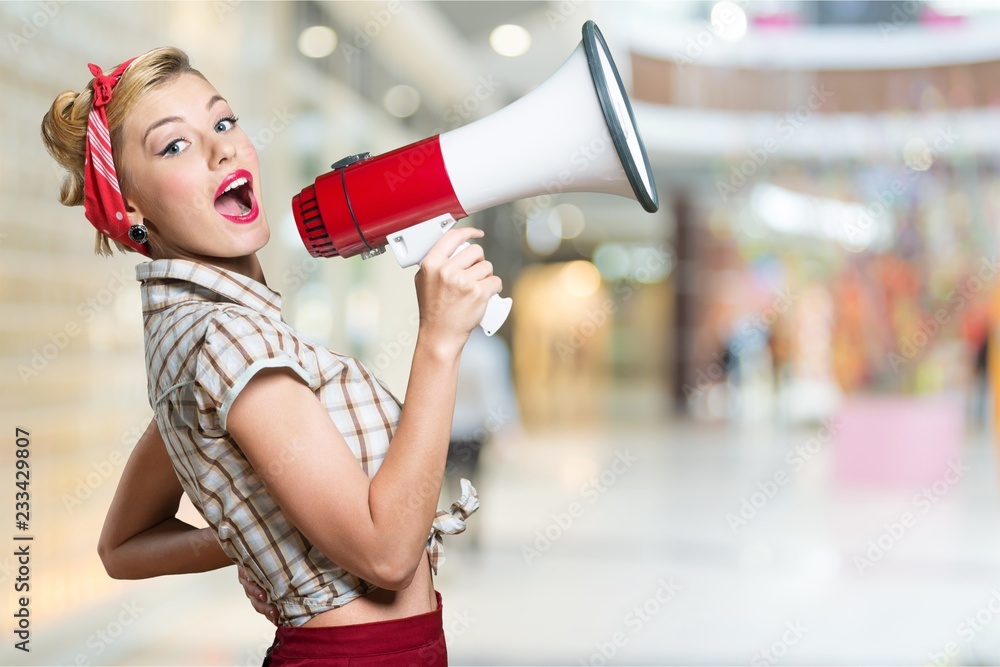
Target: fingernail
<point>260,596</point>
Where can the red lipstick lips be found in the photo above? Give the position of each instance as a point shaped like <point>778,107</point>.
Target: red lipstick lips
<point>234,200</point>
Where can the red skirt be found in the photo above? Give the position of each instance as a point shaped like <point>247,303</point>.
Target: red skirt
<point>415,640</point>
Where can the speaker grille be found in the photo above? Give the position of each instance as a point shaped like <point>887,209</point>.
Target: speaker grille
<point>311,228</point>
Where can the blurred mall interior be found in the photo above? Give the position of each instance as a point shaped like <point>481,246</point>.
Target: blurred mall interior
<point>755,427</point>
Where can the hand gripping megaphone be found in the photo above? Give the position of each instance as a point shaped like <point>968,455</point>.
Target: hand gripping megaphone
<point>574,133</point>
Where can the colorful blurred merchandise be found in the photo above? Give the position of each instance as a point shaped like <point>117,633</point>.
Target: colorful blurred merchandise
<point>994,361</point>
<point>897,441</point>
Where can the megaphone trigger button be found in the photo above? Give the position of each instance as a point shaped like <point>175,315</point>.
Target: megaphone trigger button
<point>349,160</point>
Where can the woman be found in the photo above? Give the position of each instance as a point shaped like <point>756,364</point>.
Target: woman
<point>282,446</point>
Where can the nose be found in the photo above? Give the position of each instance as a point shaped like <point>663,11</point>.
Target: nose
<point>223,150</point>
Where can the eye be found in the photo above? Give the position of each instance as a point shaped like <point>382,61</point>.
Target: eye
<point>175,147</point>
<point>226,124</point>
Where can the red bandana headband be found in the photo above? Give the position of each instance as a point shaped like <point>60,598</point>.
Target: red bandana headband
<point>102,195</point>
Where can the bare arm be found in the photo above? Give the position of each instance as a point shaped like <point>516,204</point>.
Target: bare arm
<point>142,537</point>
<point>376,529</point>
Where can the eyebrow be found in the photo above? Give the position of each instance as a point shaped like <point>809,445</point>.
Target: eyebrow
<point>178,119</point>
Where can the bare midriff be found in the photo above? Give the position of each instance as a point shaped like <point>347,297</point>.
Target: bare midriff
<point>384,605</point>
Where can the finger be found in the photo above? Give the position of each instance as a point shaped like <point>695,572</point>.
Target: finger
<point>494,285</point>
<point>466,257</point>
<point>261,604</point>
<point>479,271</point>
<point>268,611</point>
<point>448,244</point>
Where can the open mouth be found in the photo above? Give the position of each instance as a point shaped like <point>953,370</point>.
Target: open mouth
<point>235,200</point>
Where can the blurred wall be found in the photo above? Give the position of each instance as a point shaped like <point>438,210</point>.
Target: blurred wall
<point>71,327</point>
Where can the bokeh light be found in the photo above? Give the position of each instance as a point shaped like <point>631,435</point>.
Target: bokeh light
<point>402,101</point>
<point>317,41</point>
<point>510,40</point>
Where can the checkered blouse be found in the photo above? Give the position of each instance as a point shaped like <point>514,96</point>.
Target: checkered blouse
<point>207,332</point>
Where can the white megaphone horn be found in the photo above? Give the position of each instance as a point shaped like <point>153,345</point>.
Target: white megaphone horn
<point>574,133</point>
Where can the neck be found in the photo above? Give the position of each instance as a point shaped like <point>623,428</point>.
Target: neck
<point>247,265</point>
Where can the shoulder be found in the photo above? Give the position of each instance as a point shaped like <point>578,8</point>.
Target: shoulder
<point>236,338</point>
<point>239,343</point>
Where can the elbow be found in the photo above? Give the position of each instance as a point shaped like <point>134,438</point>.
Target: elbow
<point>112,565</point>
<point>393,574</point>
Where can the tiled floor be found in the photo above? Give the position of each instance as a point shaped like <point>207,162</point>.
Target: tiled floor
<point>613,547</point>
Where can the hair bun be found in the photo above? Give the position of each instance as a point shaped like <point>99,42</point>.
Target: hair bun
<point>64,133</point>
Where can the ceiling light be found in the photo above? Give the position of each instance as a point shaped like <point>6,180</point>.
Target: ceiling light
<point>729,21</point>
<point>317,41</point>
<point>510,40</point>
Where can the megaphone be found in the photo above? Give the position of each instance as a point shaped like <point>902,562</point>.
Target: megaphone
<point>574,133</point>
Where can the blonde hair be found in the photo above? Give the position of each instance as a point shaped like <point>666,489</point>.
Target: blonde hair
<point>64,127</point>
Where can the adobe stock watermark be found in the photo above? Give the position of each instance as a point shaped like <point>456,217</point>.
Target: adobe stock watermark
<point>911,345</point>
<point>768,488</point>
<point>555,16</point>
<point>102,470</point>
<point>32,25</point>
<point>625,289</point>
<point>299,273</point>
<point>454,627</point>
<point>920,156</point>
<point>496,418</point>
<point>87,310</point>
<point>278,122</point>
<point>391,350</point>
<point>967,629</point>
<point>635,620</point>
<point>363,35</point>
<point>750,332</point>
<point>409,162</point>
<point>902,13</point>
<point>581,158</point>
<point>591,491</point>
<point>723,21</point>
<point>101,639</point>
<point>778,649</point>
<point>921,502</point>
<point>256,657</point>
<point>459,112</point>
<point>224,8</point>
<point>784,128</point>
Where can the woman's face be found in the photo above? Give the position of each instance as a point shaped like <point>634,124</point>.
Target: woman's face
<point>182,151</point>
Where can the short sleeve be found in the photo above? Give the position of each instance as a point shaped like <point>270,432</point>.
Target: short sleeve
<point>237,345</point>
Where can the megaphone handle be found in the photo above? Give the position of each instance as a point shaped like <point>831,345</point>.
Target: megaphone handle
<point>411,245</point>
<point>497,308</point>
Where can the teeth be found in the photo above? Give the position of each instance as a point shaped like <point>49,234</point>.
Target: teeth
<point>239,182</point>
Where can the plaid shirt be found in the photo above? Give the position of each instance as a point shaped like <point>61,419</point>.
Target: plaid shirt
<point>207,332</point>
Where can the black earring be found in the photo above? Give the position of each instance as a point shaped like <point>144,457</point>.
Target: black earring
<point>138,233</point>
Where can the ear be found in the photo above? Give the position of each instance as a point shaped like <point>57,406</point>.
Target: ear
<point>135,215</point>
